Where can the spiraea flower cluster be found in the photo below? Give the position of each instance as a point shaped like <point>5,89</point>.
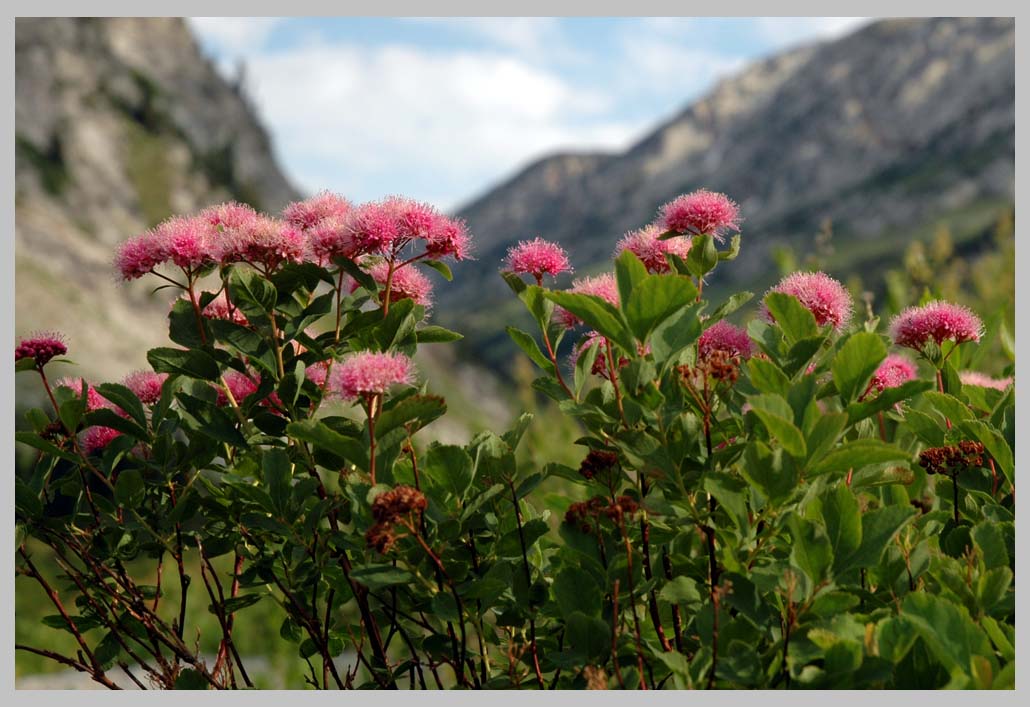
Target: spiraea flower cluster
<point>370,373</point>
<point>895,370</point>
<point>727,338</point>
<point>700,213</point>
<point>935,321</point>
<point>827,299</point>
<point>538,258</point>
<point>652,251</point>
<point>602,286</point>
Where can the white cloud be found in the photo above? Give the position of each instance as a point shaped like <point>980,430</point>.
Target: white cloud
<point>781,31</point>
<point>235,35</point>
<point>458,118</point>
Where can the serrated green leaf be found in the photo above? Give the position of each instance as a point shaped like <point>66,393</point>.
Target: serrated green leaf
<point>856,362</point>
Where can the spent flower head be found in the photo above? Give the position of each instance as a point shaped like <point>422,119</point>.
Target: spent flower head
<point>42,346</point>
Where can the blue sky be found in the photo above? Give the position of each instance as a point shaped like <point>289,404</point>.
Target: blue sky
<point>440,109</point>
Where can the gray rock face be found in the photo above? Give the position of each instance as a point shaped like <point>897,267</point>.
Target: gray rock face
<point>885,129</point>
<point>119,123</point>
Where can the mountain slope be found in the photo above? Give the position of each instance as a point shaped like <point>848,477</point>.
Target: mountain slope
<point>879,133</point>
<point>119,123</point>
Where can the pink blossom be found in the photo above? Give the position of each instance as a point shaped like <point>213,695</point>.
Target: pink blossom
<point>374,227</point>
<point>42,346</point>
<point>983,380</point>
<point>820,294</point>
<point>725,337</point>
<point>316,373</point>
<point>95,439</point>
<point>407,282</point>
<point>700,212</point>
<point>602,286</point>
<point>265,241</point>
<point>448,237</point>
<point>186,240</point>
<point>936,321</point>
<point>229,215</point>
<point>139,255</point>
<point>331,237</point>
<point>94,400</point>
<point>221,308</point>
<point>146,385</point>
<point>240,385</point>
<point>307,214</point>
<point>894,371</point>
<point>415,219</point>
<point>370,373</point>
<point>645,244</point>
<point>538,258</point>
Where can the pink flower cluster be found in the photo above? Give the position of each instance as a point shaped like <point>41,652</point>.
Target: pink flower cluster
<point>42,346</point>
<point>94,400</point>
<point>725,337</point>
<point>827,299</point>
<point>221,308</point>
<point>894,371</point>
<point>935,321</point>
<point>538,258</point>
<point>406,283</point>
<point>983,380</point>
<point>602,286</point>
<point>146,385</point>
<point>700,212</point>
<point>96,438</point>
<point>370,373</point>
<point>319,228</point>
<point>645,244</point>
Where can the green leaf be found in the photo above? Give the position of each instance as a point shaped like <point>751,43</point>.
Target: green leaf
<point>702,256</point>
<point>251,292</point>
<point>675,334</point>
<point>680,590</point>
<point>129,488</point>
<point>776,415</point>
<point>629,272</point>
<point>859,453</point>
<point>894,638</point>
<point>382,575</point>
<point>361,276</point>
<point>990,540</point>
<point>182,325</point>
<point>856,362</point>
<point>434,334</point>
<point>126,400</point>
<point>730,306</point>
<point>927,428</point>
<point>413,412</point>
<point>733,251</point>
<point>878,530</point>
<point>348,449</point>
<point>886,399</point>
<point>770,472</point>
<point>793,318</point>
<point>597,314</point>
<point>588,636</point>
<point>576,589</point>
<point>441,267</point>
<point>193,363</point>
<point>277,472</point>
<point>767,377</point>
<point>71,412</point>
<point>528,344</point>
<point>825,433</point>
<point>948,405</point>
<point>811,551</point>
<point>449,467</point>
<point>190,679</point>
<point>843,523</point>
<point>948,631</point>
<point>396,325</point>
<point>655,299</point>
<point>234,604</point>
<point>34,440</point>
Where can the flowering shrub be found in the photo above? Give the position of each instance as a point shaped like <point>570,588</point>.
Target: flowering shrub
<point>786,505</point>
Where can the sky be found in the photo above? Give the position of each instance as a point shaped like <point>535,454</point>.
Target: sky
<point>441,109</point>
